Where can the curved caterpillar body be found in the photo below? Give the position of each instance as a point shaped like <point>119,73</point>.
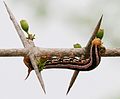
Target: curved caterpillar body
<point>77,64</point>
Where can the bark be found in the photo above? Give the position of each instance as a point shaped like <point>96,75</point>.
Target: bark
<point>113,52</point>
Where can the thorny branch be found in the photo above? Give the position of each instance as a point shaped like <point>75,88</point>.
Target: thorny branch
<point>31,50</point>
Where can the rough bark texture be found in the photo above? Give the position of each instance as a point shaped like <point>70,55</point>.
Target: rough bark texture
<point>113,52</point>
<point>13,52</point>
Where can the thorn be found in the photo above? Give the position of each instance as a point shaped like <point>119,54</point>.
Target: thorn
<point>72,80</point>
<point>29,71</point>
<point>25,43</point>
<point>4,3</point>
<point>41,81</point>
<point>94,34</point>
<point>99,22</point>
<point>31,64</point>
<point>8,10</point>
<point>98,26</point>
<point>27,62</point>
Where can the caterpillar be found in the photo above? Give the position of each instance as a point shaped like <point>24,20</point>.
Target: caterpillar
<point>76,63</point>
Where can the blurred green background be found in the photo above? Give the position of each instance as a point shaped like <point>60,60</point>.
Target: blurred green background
<point>61,23</point>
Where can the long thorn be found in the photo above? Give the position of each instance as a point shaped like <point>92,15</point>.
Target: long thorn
<point>87,48</point>
<point>94,33</point>
<point>39,76</point>
<point>16,25</point>
<point>26,44</point>
<point>72,80</point>
<point>41,82</point>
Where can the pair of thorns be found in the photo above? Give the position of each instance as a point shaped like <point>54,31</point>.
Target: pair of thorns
<point>28,44</point>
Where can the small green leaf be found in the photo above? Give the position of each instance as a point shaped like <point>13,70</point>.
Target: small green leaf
<point>41,63</point>
<point>100,33</point>
<point>24,25</point>
<point>77,45</point>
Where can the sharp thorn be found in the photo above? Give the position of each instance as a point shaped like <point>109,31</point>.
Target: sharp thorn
<point>98,26</point>
<point>94,33</point>
<point>99,23</point>
<point>27,76</point>
<point>41,82</point>
<point>29,71</point>
<point>38,73</point>
<point>72,80</point>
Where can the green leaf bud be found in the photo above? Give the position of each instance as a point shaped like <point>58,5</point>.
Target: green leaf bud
<point>100,33</point>
<point>77,45</point>
<point>24,25</point>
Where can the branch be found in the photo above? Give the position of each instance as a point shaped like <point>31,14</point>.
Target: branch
<point>114,52</point>
<point>38,51</point>
<point>13,52</point>
<point>49,52</point>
